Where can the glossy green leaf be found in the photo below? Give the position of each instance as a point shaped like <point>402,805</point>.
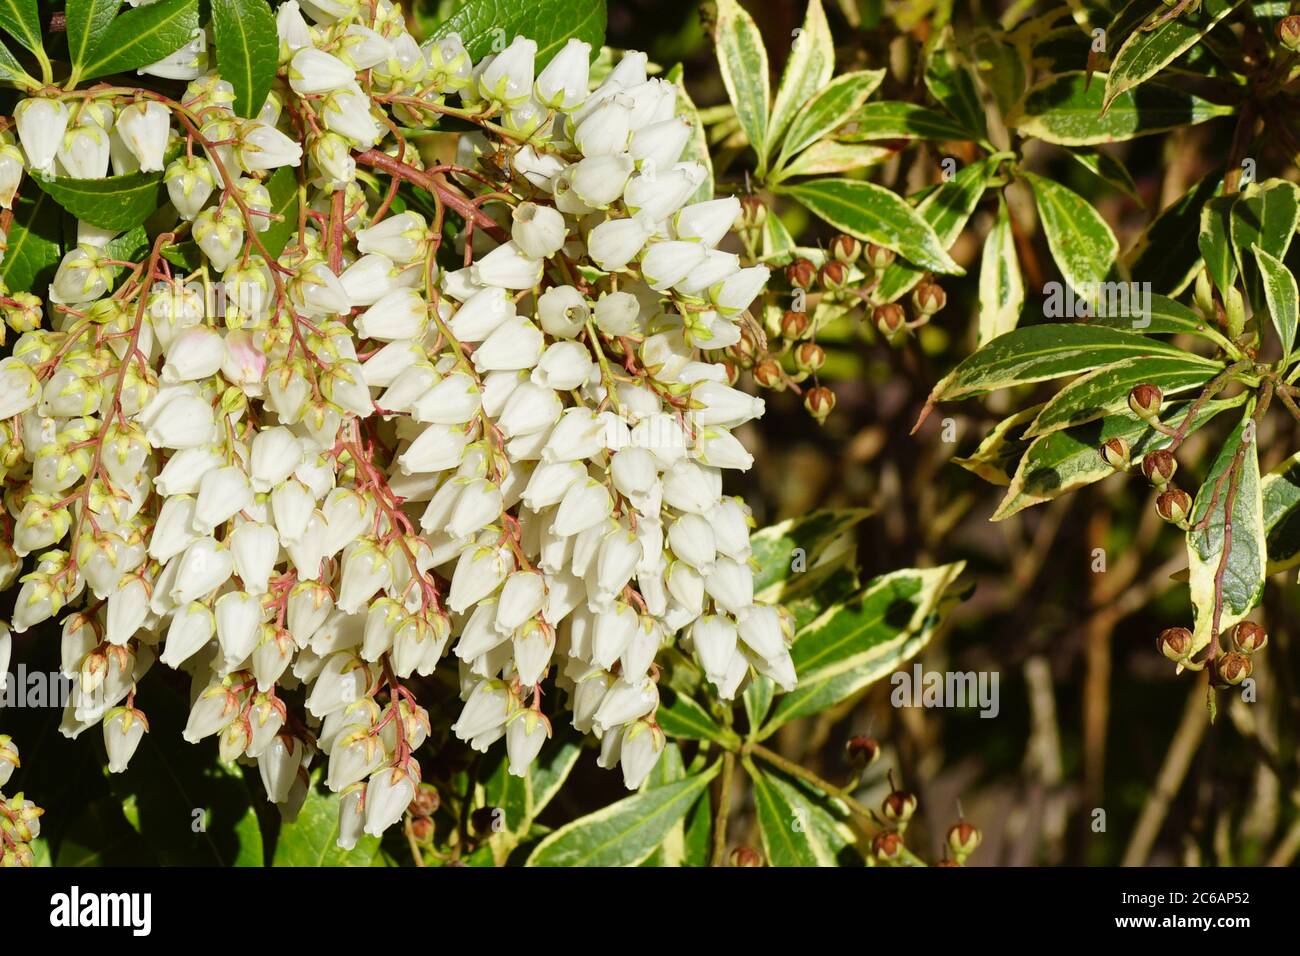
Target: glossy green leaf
<point>34,243</point>
<point>949,80</point>
<point>1067,109</point>
<point>853,644</point>
<point>22,21</point>
<point>1266,215</point>
<point>742,60</point>
<point>999,452</point>
<point>1146,52</point>
<point>778,244</point>
<point>1105,391</point>
<point>247,50</point>
<point>1281,296</point>
<point>1241,574</point>
<point>829,157</point>
<point>115,202</point>
<point>1081,241</point>
<point>485,26</point>
<point>782,552</point>
<point>680,716</point>
<point>521,799</point>
<point>143,36</point>
<point>1159,316</point>
<point>1108,169</point>
<point>1001,69</point>
<point>798,825</point>
<point>896,120</point>
<point>1041,352</point>
<point>829,108</point>
<point>87,21</point>
<point>806,77</point>
<point>758,699</point>
<point>946,208</point>
<point>12,71</point>
<point>283,187</point>
<point>1280,497</point>
<point>875,214</point>
<point>1067,460</point>
<point>311,839</point>
<point>1001,290</point>
<point>623,833</point>
<point>1214,242</point>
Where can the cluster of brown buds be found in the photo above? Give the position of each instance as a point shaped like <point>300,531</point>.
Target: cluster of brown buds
<point>1230,665</point>
<point>1158,466</point>
<point>20,819</point>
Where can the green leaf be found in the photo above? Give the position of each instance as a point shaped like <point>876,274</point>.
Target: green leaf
<point>742,60</point>
<point>1105,391</point>
<point>1041,352</point>
<point>86,22</point>
<point>21,20</point>
<point>895,120</point>
<point>828,109</point>
<point>310,840</point>
<point>484,25</point>
<point>623,833</point>
<point>946,208</point>
<point>115,202</point>
<point>1000,67</point>
<point>996,457</point>
<point>34,244</point>
<point>1001,290</point>
<point>1069,459</point>
<point>853,644</point>
<point>1161,316</point>
<point>12,71</point>
<point>1265,214</point>
<point>522,799</point>
<point>283,187</point>
<point>697,148</point>
<point>949,80</point>
<point>1146,52</point>
<point>758,699</point>
<point>875,214</point>
<point>1080,239</point>
<point>247,50</point>
<point>1066,109</point>
<point>680,716</point>
<point>1108,169</point>
<point>143,36</point>
<point>1167,254</point>
<point>797,824</point>
<point>782,552</point>
<point>1281,295</point>
<point>805,79</point>
<point>1214,243</point>
<point>1280,495</point>
<point>1244,569</point>
<point>829,157</point>
<point>777,241</point>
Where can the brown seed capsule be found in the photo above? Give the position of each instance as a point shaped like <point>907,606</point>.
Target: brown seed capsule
<point>1115,453</point>
<point>1248,637</point>
<point>963,839</point>
<point>767,374</point>
<point>929,298</point>
<point>862,751</point>
<point>899,806</point>
<point>753,212</point>
<point>1232,668</point>
<point>1159,467</point>
<point>834,274</point>
<point>819,402</point>
<point>1174,505</point>
<point>732,370</point>
<point>846,249</point>
<point>801,274</point>
<point>746,349</point>
<point>887,845</point>
<point>1288,32</point>
<point>426,801</point>
<point>1145,401</point>
<point>809,356</point>
<point>422,829</point>
<point>746,856</point>
<point>878,257</point>
<point>794,325</point>
<point>889,318</point>
<point>1175,643</point>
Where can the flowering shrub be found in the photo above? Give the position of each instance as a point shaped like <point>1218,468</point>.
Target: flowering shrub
<point>378,452</point>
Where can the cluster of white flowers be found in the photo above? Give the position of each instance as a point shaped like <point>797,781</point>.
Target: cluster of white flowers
<point>20,819</point>
<point>355,463</point>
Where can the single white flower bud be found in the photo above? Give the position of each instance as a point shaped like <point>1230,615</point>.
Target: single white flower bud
<point>388,794</point>
<point>192,626</point>
<point>562,84</point>
<point>124,728</point>
<point>41,124</point>
<point>616,242</point>
<point>526,732</point>
<point>538,231</point>
<point>507,267</point>
<point>315,71</point>
<point>508,79</point>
